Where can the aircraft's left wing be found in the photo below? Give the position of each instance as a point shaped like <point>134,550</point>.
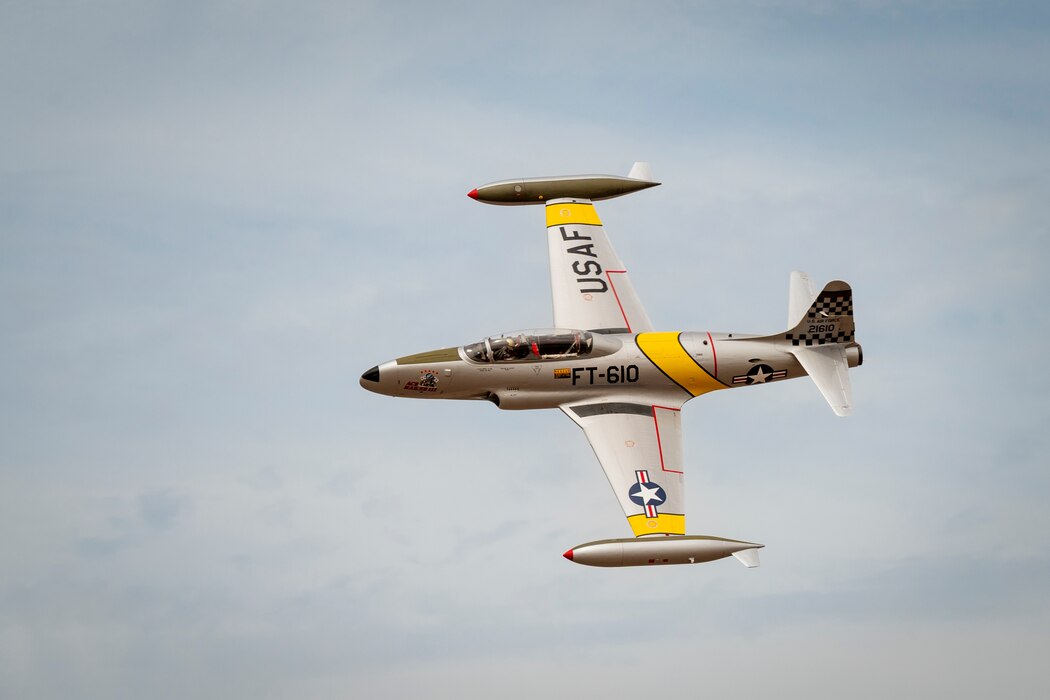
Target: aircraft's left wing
<point>589,283</point>
<point>640,448</point>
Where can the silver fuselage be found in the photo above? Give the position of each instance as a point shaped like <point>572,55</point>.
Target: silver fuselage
<point>649,366</point>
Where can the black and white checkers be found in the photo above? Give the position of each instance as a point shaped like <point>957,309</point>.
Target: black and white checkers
<point>829,320</point>
<point>830,304</point>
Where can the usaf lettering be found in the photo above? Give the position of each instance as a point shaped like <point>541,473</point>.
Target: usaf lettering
<point>585,268</point>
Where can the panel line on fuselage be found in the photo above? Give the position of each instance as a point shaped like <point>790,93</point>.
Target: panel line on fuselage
<point>666,352</point>
<point>601,409</point>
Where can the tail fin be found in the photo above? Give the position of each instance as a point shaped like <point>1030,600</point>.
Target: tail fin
<point>800,296</point>
<point>819,340</point>
<point>822,338</point>
<point>829,319</point>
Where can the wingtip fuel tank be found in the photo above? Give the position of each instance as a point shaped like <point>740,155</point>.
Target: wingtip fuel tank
<point>538,190</point>
<point>655,551</point>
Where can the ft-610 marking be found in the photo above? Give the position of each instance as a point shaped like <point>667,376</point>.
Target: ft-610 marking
<point>613,374</point>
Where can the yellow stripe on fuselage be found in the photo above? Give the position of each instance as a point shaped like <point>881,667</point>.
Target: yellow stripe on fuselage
<point>662,524</point>
<point>666,352</point>
<point>565,213</point>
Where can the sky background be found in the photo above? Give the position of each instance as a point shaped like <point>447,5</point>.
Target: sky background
<point>215,216</point>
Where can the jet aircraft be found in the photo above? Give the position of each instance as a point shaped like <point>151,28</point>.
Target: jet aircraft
<point>623,382</point>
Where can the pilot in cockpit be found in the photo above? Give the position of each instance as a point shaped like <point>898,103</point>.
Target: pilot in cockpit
<point>511,348</point>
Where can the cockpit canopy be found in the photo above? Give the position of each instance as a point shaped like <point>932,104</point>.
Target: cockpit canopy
<point>539,346</point>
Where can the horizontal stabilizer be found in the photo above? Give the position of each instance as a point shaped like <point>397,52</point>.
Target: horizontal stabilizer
<point>828,367</point>
<point>748,557</point>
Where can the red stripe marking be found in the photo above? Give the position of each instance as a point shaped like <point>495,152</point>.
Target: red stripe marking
<point>659,443</point>
<point>713,353</point>
<point>613,286</point>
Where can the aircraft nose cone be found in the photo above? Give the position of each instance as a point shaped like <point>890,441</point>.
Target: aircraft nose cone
<point>371,375</point>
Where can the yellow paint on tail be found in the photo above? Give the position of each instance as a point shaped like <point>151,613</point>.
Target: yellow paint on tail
<point>662,524</point>
<point>565,213</point>
<point>666,352</point>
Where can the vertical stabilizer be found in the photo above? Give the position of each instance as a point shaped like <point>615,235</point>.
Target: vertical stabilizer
<point>828,320</point>
<point>800,297</point>
<point>820,337</point>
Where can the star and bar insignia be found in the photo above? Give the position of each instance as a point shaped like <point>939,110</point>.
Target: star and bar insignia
<point>760,374</point>
<point>646,493</point>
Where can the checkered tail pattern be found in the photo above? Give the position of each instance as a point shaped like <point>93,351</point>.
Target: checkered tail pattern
<point>829,319</point>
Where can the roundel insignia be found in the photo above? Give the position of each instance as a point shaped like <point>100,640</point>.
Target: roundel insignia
<point>646,493</point>
<point>760,374</point>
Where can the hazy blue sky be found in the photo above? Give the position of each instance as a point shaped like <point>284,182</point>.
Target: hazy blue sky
<point>215,216</point>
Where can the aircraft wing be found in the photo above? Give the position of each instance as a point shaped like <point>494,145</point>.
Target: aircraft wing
<point>639,446</point>
<point>589,283</point>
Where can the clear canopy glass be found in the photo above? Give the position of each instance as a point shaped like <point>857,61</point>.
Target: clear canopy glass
<point>539,345</point>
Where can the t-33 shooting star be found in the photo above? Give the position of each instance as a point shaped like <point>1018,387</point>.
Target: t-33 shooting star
<point>620,380</point>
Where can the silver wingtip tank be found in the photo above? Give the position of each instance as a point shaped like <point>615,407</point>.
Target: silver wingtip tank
<point>539,190</point>
<point>655,551</point>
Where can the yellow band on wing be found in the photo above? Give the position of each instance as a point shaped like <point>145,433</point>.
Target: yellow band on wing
<point>564,213</point>
<point>666,352</point>
<point>662,524</point>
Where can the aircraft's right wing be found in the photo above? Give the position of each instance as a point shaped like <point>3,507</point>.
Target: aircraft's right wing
<point>639,446</point>
<point>589,284</point>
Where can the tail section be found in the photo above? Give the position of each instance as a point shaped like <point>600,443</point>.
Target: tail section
<point>800,296</point>
<point>822,341</point>
<point>822,337</point>
<point>828,367</point>
<point>829,318</point>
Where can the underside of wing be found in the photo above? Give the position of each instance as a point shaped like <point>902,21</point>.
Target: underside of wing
<point>639,446</point>
<point>589,283</point>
